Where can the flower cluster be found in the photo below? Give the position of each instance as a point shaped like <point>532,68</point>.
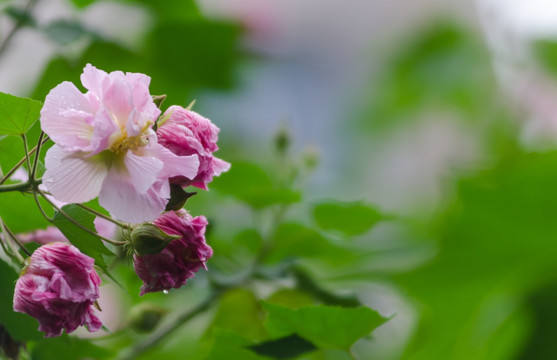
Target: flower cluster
<point>106,145</point>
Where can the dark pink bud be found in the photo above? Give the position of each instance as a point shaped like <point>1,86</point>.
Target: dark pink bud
<point>59,288</point>
<point>185,132</point>
<point>181,258</point>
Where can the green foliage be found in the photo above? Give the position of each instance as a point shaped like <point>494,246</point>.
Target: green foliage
<point>324,326</point>
<point>348,218</point>
<point>251,184</point>
<point>64,32</point>
<point>545,52</point>
<point>17,114</point>
<point>22,215</point>
<point>20,326</point>
<point>68,348</point>
<point>287,347</point>
<point>84,241</point>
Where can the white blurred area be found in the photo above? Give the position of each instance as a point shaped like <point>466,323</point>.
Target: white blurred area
<point>511,27</point>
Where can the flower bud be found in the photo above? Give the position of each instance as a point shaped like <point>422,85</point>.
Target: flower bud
<point>145,317</point>
<point>282,140</point>
<point>148,239</point>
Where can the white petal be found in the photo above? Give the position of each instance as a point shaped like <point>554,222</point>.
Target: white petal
<point>121,199</point>
<point>143,170</point>
<point>71,177</point>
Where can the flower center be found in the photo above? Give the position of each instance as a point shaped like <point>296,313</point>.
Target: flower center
<point>126,143</point>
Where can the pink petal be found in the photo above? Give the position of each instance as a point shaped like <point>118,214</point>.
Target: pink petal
<point>65,117</point>
<point>72,178</point>
<point>92,78</point>
<point>175,165</point>
<point>143,170</point>
<point>120,197</point>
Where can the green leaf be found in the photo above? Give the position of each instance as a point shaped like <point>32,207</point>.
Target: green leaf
<point>293,240</point>
<point>84,241</point>
<point>22,215</point>
<point>82,3</point>
<point>17,114</point>
<point>64,32</point>
<point>250,184</point>
<point>353,218</point>
<point>284,348</point>
<point>325,326</point>
<point>240,313</point>
<point>21,327</point>
<point>68,348</point>
<point>227,346</point>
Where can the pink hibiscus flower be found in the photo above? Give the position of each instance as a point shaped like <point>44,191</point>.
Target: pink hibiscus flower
<point>106,147</point>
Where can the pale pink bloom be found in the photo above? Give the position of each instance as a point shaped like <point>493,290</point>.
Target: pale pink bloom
<point>186,132</point>
<point>181,258</point>
<point>43,237</point>
<point>106,147</point>
<point>53,234</point>
<point>59,288</point>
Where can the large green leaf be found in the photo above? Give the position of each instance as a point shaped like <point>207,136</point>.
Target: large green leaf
<point>21,327</point>
<point>19,211</point>
<point>17,114</point>
<point>324,326</point>
<point>84,241</point>
<point>349,218</point>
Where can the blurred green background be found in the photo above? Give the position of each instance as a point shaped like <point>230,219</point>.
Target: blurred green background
<point>398,156</point>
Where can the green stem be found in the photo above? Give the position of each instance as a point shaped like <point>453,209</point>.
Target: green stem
<point>15,238</point>
<point>19,163</point>
<point>24,186</point>
<point>104,216</point>
<point>27,160</point>
<point>70,219</point>
<point>37,155</point>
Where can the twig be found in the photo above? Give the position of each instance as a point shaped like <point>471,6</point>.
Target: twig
<point>106,217</point>
<point>19,24</point>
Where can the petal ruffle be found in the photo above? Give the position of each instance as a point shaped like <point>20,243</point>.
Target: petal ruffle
<point>143,170</point>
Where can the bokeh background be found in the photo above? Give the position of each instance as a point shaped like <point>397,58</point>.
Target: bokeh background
<point>440,115</point>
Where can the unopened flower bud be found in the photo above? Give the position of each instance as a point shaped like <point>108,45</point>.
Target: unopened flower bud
<point>148,239</point>
<point>145,317</point>
<point>282,140</point>
<point>310,157</point>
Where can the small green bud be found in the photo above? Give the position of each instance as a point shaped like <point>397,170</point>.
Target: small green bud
<point>145,317</point>
<point>310,157</point>
<point>148,239</point>
<point>282,140</point>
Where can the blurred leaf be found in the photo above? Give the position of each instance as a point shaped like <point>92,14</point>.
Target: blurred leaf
<point>349,218</point>
<point>82,3</point>
<point>444,66</point>
<point>68,348</point>
<point>497,244</point>
<point>171,10</point>
<point>21,327</point>
<point>64,32</point>
<point>84,241</point>
<point>227,346</point>
<point>545,52</point>
<point>293,240</point>
<point>21,16</point>
<point>324,326</point>
<point>17,114</point>
<point>22,215</point>
<point>240,313</point>
<point>250,184</point>
<point>287,347</point>
<point>290,298</point>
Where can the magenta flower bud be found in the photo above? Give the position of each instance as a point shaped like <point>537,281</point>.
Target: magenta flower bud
<point>185,132</point>
<point>59,288</point>
<point>180,259</point>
